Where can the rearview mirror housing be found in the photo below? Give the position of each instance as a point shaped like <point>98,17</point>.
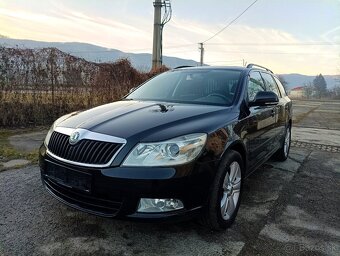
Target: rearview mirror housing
<point>264,98</point>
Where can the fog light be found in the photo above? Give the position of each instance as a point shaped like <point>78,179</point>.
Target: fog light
<point>159,205</point>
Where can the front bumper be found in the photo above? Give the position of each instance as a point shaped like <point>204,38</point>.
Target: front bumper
<point>116,191</point>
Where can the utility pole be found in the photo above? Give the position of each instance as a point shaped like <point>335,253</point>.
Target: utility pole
<point>157,30</point>
<point>159,22</point>
<point>201,48</point>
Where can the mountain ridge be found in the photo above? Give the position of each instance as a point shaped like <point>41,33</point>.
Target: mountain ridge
<point>94,53</point>
<point>141,61</point>
<point>295,80</point>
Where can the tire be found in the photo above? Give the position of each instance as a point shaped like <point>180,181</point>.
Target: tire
<point>283,152</point>
<point>222,190</point>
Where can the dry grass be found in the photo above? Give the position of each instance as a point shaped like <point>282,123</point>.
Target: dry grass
<point>34,92</point>
<point>29,105</point>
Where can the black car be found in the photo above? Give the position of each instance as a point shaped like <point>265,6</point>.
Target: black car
<point>180,144</point>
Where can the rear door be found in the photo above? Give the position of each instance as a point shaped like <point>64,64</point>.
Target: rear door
<point>278,128</point>
<point>287,103</point>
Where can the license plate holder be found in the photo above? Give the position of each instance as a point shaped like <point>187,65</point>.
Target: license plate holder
<point>69,177</point>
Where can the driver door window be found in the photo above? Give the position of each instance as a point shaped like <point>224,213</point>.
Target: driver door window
<point>255,85</point>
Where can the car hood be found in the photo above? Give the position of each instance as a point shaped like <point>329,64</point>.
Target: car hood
<point>149,121</point>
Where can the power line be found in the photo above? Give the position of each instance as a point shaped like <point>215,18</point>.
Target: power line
<point>125,51</point>
<point>170,52</point>
<point>179,46</point>
<point>212,44</point>
<point>297,53</point>
<point>231,22</point>
<point>277,44</point>
<point>166,18</point>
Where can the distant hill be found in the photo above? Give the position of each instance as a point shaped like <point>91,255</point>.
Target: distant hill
<point>94,53</point>
<point>141,61</point>
<point>32,67</point>
<point>38,69</point>
<point>295,80</point>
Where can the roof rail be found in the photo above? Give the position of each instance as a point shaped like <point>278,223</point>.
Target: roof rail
<point>255,65</point>
<point>183,67</point>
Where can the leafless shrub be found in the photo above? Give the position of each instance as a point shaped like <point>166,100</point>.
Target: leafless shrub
<point>37,86</point>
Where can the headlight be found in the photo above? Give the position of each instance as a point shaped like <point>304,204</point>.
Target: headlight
<point>176,151</point>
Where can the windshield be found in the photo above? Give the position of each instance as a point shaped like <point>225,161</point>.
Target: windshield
<point>215,87</point>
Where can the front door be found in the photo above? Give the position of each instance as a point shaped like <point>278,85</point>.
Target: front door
<point>261,123</point>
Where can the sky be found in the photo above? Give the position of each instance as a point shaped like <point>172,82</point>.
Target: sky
<point>288,36</point>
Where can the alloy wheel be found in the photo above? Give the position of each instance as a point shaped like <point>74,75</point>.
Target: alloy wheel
<point>287,142</point>
<point>231,190</point>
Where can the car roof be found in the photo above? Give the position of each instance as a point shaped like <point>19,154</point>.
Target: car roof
<point>211,68</point>
<point>255,67</point>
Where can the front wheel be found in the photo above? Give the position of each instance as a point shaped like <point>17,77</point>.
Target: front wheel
<point>282,153</point>
<point>225,193</point>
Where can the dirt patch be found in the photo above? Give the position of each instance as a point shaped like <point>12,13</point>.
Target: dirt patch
<point>10,152</point>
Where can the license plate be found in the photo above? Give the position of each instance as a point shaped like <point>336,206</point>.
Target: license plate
<point>69,177</point>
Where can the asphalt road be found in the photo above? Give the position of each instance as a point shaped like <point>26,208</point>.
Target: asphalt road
<point>289,208</point>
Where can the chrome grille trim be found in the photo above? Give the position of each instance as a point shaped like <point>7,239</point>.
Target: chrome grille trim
<point>89,135</point>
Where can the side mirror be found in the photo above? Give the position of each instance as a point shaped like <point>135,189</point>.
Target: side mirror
<point>264,98</point>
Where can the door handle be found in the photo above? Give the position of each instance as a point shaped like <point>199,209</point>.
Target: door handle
<point>273,112</point>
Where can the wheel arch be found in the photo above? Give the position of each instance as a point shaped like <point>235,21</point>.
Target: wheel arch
<point>239,147</point>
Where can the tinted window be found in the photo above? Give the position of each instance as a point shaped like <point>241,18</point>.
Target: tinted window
<point>255,85</point>
<point>191,86</point>
<point>282,89</point>
<point>270,84</point>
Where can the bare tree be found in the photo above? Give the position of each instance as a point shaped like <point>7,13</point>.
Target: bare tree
<point>308,89</point>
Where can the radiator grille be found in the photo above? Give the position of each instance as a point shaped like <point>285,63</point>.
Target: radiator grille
<point>85,151</point>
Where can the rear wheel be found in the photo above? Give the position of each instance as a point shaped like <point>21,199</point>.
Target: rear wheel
<point>225,193</point>
<point>283,152</point>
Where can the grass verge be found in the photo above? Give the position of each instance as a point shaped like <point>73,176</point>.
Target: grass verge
<point>8,152</point>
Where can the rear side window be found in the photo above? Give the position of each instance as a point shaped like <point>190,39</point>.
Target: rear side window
<point>255,85</point>
<point>282,89</point>
<point>270,84</point>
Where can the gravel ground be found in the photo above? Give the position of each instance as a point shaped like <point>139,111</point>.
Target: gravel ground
<point>289,208</point>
